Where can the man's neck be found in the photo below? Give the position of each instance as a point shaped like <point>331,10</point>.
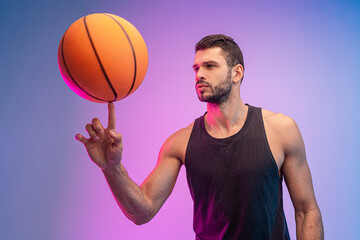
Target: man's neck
<point>226,117</point>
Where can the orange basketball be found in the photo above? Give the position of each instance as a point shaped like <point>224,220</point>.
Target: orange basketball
<point>102,57</point>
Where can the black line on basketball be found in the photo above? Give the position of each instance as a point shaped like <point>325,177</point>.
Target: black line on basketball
<point>132,48</point>
<point>67,69</point>
<point>98,58</point>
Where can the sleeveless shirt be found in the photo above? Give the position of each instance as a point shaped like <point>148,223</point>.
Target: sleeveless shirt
<point>235,184</point>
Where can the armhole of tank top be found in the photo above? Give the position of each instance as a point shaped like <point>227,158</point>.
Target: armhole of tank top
<point>268,146</point>
<point>188,143</point>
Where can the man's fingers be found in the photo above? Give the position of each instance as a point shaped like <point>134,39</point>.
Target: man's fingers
<point>112,117</point>
<point>89,128</point>
<point>97,126</point>
<point>81,138</point>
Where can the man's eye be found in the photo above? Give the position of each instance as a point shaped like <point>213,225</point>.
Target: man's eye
<point>196,69</point>
<point>210,66</point>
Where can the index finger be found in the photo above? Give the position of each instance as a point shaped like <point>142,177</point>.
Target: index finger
<point>112,116</point>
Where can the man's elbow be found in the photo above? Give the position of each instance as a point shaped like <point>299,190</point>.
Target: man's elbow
<point>313,210</point>
<point>140,220</point>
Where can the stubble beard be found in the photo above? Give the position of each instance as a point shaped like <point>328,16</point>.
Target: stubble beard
<point>221,92</point>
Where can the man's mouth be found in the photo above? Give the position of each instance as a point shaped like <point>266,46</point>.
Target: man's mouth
<point>200,85</point>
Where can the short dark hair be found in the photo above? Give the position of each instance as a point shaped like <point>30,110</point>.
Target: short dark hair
<point>233,54</point>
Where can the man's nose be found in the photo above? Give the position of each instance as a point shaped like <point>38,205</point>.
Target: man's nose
<point>199,75</point>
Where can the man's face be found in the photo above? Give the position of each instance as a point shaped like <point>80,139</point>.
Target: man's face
<point>212,75</point>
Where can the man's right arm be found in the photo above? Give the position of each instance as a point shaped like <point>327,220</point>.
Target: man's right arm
<point>140,204</point>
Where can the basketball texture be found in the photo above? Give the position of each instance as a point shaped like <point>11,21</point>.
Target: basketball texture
<point>102,57</point>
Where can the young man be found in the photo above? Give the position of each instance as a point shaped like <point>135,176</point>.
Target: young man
<point>235,155</point>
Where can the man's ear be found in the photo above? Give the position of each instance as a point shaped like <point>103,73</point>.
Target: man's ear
<point>238,73</point>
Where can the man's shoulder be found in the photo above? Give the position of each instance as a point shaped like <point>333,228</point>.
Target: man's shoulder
<point>183,134</point>
<point>282,125</point>
<point>278,120</point>
<point>176,144</point>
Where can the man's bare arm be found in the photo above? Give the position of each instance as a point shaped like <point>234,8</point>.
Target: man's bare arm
<point>298,180</point>
<point>139,204</point>
<point>130,198</point>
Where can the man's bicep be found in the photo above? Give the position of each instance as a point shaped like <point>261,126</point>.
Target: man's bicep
<point>296,170</point>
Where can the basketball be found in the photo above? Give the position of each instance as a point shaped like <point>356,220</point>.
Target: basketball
<point>102,57</point>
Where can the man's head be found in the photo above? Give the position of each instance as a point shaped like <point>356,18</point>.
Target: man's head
<point>233,54</point>
<point>218,71</point>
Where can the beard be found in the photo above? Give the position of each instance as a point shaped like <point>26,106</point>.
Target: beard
<point>220,93</point>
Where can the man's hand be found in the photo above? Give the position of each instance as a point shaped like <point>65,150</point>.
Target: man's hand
<point>139,204</point>
<point>104,145</point>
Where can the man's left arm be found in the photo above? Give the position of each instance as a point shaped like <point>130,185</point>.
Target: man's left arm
<point>299,183</point>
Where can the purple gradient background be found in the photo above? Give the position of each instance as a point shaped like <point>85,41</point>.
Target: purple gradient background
<point>301,59</point>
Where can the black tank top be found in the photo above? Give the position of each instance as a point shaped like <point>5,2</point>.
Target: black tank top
<point>235,183</point>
